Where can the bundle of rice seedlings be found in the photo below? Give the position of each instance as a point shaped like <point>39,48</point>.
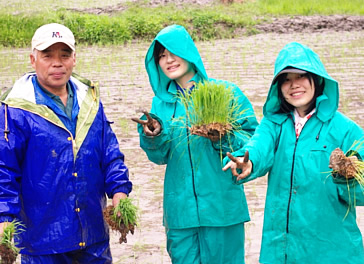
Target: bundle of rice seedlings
<point>8,250</point>
<point>123,218</point>
<point>211,110</point>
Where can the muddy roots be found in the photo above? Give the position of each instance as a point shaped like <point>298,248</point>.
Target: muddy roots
<point>122,229</point>
<point>342,164</point>
<point>213,131</point>
<point>8,255</point>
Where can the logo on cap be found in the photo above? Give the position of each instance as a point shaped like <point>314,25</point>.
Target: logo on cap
<point>56,35</point>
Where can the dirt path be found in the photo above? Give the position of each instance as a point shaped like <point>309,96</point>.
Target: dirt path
<point>246,61</point>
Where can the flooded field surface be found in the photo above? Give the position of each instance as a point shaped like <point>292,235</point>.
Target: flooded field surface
<point>246,61</point>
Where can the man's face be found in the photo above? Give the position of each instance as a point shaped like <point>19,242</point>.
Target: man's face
<point>54,66</point>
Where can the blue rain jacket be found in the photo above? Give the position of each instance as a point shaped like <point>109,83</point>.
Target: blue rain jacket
<point>55,183</point>
<point>309,215</point>
<point>196,190</point>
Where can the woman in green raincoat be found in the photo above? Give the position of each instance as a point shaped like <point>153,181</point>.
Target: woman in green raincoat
<point>204,210</point>
<point>310,212</point>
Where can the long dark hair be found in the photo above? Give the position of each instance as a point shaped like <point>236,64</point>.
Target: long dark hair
<point>158,50</point>
<point>318,82</point>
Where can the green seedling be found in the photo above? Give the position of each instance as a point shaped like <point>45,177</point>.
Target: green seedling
<point>123,218</point>
<point>8,250</point>
<point>125,213</point>
<point>212,110</point>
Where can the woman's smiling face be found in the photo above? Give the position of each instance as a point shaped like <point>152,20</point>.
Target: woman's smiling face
<point>298,91</point>
<point>175,67</point>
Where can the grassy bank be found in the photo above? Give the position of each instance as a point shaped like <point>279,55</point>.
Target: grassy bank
<point>19,19</point>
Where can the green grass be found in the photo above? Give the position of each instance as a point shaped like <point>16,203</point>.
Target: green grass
<point>14,228</point>
<point>19,19</point>
<point>311,7</point>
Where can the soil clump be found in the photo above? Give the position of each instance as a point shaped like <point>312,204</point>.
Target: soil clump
<point>121,228</point>
<point>214,131</point>
<point>7,255</point>
<point>342,164</point>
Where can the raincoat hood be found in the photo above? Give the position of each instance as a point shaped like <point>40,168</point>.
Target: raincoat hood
<point>176,40</point>
<point>301,57</point>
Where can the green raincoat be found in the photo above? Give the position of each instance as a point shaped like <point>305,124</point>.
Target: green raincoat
<point>309,214</point>
<point>196,191</point>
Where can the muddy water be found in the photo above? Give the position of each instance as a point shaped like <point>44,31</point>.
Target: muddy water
<point>246,61</point>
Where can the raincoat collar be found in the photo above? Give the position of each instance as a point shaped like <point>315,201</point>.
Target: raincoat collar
<point>175,39</point>
<point>301,57</point>
<point>45,98</point>
<point>24,89</point>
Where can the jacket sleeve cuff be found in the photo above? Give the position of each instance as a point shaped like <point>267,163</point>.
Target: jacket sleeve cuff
<point>5,218</point>
<point>123,189</point>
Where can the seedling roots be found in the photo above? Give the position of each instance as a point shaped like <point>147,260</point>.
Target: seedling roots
<point>7,254</point>
<point>122,218</point>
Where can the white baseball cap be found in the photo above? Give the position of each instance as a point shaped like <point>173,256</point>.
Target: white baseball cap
<point>50,34</point>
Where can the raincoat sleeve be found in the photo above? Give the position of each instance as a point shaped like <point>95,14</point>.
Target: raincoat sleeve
<point>243,127</point>
<point>12,151</point>
<point>115,171</point>
<point>261,149</point>
<point>156,147</point>
<point>353,144</point>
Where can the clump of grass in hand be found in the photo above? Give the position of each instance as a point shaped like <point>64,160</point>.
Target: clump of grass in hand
<point>8,250</point>
<point>123,218</point>
<point>126,212</point>
<point>211,109</point>
<point>349,167</point>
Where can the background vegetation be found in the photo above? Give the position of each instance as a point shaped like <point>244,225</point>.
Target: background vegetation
<point>124,21</point>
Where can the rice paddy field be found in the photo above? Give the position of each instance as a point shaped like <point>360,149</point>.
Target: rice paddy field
<point>247,61</point>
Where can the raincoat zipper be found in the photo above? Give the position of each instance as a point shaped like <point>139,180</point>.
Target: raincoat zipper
<point>190,157</point>
<point>192,170</point>
<point>291,184</point>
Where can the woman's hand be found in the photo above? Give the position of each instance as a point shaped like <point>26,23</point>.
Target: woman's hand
<point>242,163</point>
<point>151,126</point>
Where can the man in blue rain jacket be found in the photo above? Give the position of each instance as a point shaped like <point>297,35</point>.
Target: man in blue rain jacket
<point>58,158</point>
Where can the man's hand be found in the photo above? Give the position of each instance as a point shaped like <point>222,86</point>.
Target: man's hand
<point>117,197</point>
<point>151,126</point>
<point>242,163</point>
<point>3,225</point>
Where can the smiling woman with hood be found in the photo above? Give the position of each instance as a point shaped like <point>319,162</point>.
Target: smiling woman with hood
<point>309,215</point>
<point>204,210</point>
